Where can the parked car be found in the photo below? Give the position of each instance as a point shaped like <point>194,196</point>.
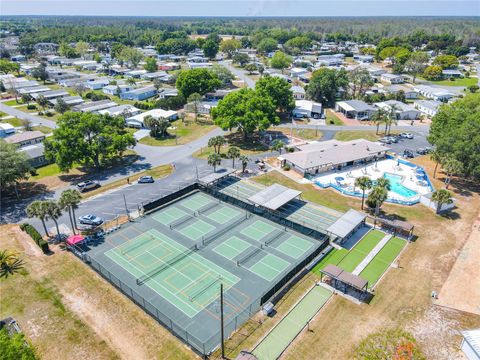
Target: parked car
<point>406,135</point>
<point>145,179</point>
<point>87,185</point>
<point>408,153</point>
<point>394,139</point>
<point>423,151</point>
<point>90,220</point>
<point>386,140</point>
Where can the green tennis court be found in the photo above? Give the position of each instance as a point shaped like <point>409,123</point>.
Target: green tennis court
<point>195,202</point>
<point>269,267</point>
<point>187,280</point>
<point>258,230</point>
<point>231,247</point>
<point>280,337</point>
<point>196,230</point>
<point>294,246</point>
<point>381,262</point>
<point>169,215</point>
<point>223,215</point>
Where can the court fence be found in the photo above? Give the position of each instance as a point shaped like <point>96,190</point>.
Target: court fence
<point>206,347</point>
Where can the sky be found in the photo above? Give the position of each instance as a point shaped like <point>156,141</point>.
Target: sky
<point>242,7</point>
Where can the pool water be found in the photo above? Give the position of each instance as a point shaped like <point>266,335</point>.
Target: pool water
<point>397,187</point>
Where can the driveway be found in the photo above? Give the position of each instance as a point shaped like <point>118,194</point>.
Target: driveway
<point>241,74</point>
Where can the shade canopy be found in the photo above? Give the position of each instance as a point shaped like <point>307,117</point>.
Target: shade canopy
<point>274,196</point>
<point>75,239</point>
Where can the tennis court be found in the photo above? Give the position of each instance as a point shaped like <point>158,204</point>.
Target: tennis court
<point>280,337</point>
<point>173,261</point>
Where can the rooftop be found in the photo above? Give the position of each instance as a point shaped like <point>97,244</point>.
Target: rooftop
<point>274,196</point>
<point>355,105</point>
<point>25,136</point>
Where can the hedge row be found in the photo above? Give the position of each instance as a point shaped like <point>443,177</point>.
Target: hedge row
<point>35,235</point>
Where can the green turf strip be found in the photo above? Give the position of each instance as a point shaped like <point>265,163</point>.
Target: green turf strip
<point>333,257</point>
<point>380,263</point>
<point>361,250</point>
<point>288,328</point>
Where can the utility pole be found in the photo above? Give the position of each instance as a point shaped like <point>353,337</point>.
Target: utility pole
<point>126,207</point>
<point>221,321</point>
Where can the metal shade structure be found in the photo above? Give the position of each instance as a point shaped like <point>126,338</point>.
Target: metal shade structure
<point>274,196</point>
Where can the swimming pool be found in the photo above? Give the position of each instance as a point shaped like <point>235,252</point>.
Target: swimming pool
<point>397,187</point>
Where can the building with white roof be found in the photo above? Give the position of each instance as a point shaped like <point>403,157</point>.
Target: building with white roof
<point>298,92</point>
<point>138,120</point>
<point>403,111</point>
<point>392,78</point>
<point>434,93</point>
<point>471,344</point>
<point>428,107</point>
<point>355,109</point>
<point>307,109</point>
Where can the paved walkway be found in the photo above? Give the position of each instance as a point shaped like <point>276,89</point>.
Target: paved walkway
<point>371,255</point>
<point>347,121</point>
<point>282,335</point>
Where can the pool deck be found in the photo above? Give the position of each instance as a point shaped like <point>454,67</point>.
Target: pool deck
<point>374,172</point>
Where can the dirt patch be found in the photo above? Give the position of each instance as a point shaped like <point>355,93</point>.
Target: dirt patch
<point>29,247</point>
<point>461,291</point>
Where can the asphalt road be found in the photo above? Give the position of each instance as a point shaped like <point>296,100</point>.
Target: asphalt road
<point>35,120</point>
<point>241,74</point>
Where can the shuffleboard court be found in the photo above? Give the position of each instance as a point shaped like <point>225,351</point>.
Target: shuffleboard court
<point>294,246</point>
<point>231,247</point>
<point>169,215</point>
<point>269,267</point>
<point>223,215</point>
<point>382,261</point>
<point>361,250</point>
<point>196,230</point>
<point>188,283</point>
<point>258,230</point>
<point>281,336</point>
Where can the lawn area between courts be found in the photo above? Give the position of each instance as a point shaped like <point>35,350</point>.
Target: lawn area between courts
<point>67,311</point>
<point>185,133</point>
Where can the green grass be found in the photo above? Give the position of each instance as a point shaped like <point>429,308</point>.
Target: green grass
<point>43,129</point>
<point>185,133</point>
<point>47,170</point>
<point>333,257</point>
<point>348,135</point>
<point>332,119</point>
<point>13,121</point>
<point>13,102</point>
<point>457,82</point>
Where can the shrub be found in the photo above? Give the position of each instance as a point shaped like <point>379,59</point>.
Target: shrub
<point>142,105</point>
<point>35,235</point>
<point>286,167</point>
<point>49,114</point>
<point>31,107</point>
<point>40,113</point>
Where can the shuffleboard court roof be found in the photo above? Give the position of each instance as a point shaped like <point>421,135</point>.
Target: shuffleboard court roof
<point>345,277</point>
<point>346,223</point>
<point>274,196</point>
<point>217,175</point>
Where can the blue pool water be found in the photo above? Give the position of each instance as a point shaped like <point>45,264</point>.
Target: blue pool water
<point>397,187</point>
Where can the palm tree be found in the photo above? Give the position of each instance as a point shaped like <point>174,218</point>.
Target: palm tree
<point>10,264</point>
<point>244,160</point>
<point>379,117</point>
<point>233,153</point>
<point>435,156</point>
<point>391,118</point>
<point>53,212</point>
<point>42,101</point>
<point>364,183</point>
<point>452,167</point>
<point>214,160</point>
<point>277,145</point>
<point>195,100</point>
<point>384,183</point>
<point>216,142</point>
<point>69,199</point>
<point>151,123</point>
<point>131,81</point>
<point>37,209</point>
<point>376,198</point>
<point>442,197</point>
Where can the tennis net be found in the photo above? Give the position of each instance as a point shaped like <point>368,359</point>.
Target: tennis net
<point>140,243</point>
<point>249,255</point>
<point>208,207</point>
<point>181,221</point>
<point>144,278</point>
<point>275,236</point>
<point>208,239</point>
<point>205,288</point>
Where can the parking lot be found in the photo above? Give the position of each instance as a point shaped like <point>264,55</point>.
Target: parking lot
<point>419,141</point>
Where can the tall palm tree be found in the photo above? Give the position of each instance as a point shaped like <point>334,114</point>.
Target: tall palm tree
<point>151,123</point>
<point>435,156</point>
<point>442,197</point>
<point>244,160</point>
<point>38,209</point>
<point>384,183</point>
<point>233,153</point>
<point>364,183</point>
<point>451,167</point>
<point>214,160</point>
<point>53,212</point>
<point>216,142</point>
<point>379,117</point>
<point>69,199</point>
<point>377,197</point>
<point>10,263</point>
<point>392,118</point>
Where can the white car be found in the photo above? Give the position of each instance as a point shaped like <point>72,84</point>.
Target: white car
<point>407,135</point>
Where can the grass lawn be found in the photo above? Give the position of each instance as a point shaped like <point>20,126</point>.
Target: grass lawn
<point>67,311</point>
<point>14,121</point>
<point>457,82</point>
<point>13,102</point>
<point>331,118</point>
<point>348,135</point>
<point>47,170</point>
<point>43,129</point>
<point>303,134</point>
<point>251,146</point>
<point>185,134</point>
<point>24,108</point>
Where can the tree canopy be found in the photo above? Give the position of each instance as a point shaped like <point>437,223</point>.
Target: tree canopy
<point>198,81</point>
<point>14,165</point>
<point>455,132</point>
<point>87,139</point>
<point>229,47</point>
<point>278,90</point>
<point>324,85</point>
<point>14,347</point>
<point>245,110</point>
<point>280,60</point>
<point>446,61</point>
